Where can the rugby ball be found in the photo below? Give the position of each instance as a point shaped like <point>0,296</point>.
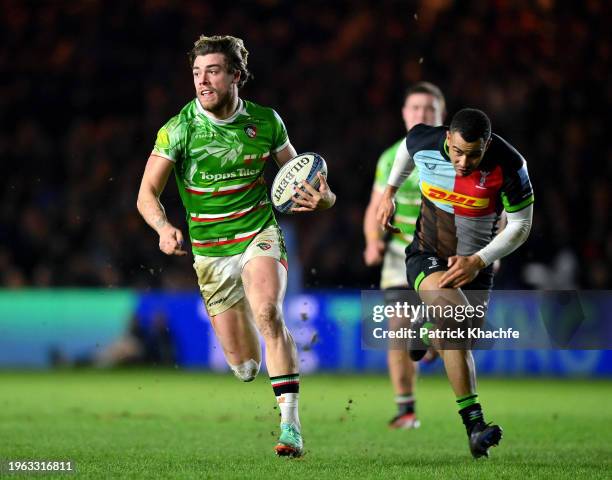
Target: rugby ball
<point>302,167</point>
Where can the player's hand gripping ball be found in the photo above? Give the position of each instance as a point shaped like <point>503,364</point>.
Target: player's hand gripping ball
<point>302,168</point>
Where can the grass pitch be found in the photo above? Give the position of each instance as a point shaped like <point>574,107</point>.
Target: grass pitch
<point>171,424</point>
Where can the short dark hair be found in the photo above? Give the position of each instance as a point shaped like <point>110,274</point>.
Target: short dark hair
<point>430,89</point>
<point>233,49</point>
<point>472,124</point>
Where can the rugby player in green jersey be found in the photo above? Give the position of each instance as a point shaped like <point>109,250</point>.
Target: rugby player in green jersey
<point>218,146</point>
<point>423,103</point>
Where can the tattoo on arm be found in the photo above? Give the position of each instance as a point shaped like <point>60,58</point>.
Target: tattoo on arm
<point>160,222</point>
<point>152,185</point>
<point>153,213</point>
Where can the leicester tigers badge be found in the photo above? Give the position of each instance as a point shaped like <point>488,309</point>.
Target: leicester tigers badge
<point>251,130</point>
<point>264,246</point>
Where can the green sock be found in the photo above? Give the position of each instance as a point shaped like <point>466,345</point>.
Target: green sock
<point>467,400</point>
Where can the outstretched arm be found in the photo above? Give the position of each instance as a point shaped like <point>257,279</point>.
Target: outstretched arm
<point>152,185</point>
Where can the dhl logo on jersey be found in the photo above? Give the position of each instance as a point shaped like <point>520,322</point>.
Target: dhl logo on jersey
<point>438,194</point>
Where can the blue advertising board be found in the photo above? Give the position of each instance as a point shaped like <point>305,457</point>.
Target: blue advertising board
<point>326,326</point>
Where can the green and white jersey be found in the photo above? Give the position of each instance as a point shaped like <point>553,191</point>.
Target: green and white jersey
<point>408,198</point>
<point>219,167</point>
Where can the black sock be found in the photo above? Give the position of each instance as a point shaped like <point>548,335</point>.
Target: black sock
<point>405,404</point>
<point>470,411</point>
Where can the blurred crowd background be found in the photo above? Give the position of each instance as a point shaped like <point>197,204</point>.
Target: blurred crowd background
<point>86,85</point>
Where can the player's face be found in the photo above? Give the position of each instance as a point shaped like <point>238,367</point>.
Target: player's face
<point>422,108</point>
<point>465,156</point>
<point>215,86</point>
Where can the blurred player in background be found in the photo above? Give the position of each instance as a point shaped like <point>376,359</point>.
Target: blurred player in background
<point>218,146</point>
<point>468,175</point>
<point>423,103</point>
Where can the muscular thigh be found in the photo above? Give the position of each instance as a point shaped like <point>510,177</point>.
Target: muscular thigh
<point>264,268</point>
<point>234,322</point>
<point>264,280</point>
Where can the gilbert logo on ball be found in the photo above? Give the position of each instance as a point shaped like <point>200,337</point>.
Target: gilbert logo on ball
<point>303,167</point>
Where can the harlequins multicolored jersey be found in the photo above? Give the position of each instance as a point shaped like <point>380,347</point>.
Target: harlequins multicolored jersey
<point>459,214</point>
<point>219,172</point>
<point>408,198</point>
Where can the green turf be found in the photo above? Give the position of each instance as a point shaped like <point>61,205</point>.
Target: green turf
<point>160,424</point>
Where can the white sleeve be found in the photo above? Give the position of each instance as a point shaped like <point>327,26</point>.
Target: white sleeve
<point>510,238</point>
<point>403,165</point>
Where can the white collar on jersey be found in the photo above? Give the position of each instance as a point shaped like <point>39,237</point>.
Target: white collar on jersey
<point>241,110</point>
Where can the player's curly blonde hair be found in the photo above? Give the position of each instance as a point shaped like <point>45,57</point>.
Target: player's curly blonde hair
<point>233,49</point>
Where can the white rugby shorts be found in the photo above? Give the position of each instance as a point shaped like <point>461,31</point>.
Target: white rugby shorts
<point>219,278</point>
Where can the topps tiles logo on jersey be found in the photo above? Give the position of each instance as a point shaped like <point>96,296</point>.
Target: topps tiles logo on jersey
<point>251,130</point>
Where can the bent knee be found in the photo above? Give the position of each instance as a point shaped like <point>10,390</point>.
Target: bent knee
<point>270,320</point>
<point>246,371</point>
<point>269,310</point>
